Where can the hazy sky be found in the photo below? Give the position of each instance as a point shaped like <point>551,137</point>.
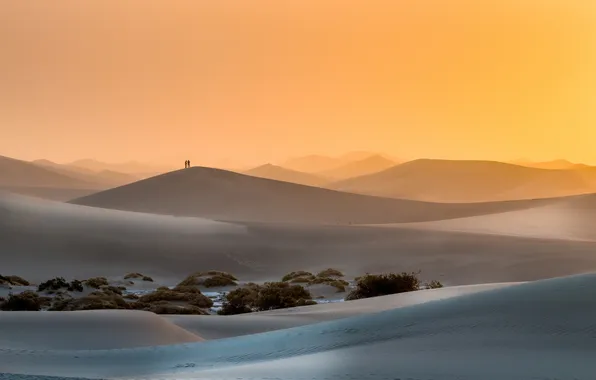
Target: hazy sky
<point>264,80</point>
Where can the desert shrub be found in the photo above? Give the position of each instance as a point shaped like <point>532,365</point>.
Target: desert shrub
<point>94,301</point>
<point>209,279</point>
<point>292,275</point>
<point>163,288</point>
<point>75,286</point>
<point>131,296</point>
<point>434,284</point>
<point>270,296</point>
<point>113,289</point>
<point>25,301</point>
<point>301,280</point>
<point>194,297</point>
<point>384,284</point>
<point>13,280</point>
<point>133,275</point>
<point>138,276</point>
<point>218,281</point>
<point>96,282</point>
<point>59,283</point>
<point>330,272</point>
<point>239,301</point>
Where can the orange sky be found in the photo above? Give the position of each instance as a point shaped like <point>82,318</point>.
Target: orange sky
<point>263,80</point>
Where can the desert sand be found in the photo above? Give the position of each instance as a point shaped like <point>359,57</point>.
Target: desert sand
<point>470,181</point>
<point>525,331</point>
<point>501,314</point>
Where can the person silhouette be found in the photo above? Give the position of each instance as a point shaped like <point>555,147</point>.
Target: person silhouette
<point>185,164</point>
<point>189,163</point>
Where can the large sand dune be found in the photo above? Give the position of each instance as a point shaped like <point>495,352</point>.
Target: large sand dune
<point>469,181</point>
<point>224,195</point>
<point>76,241</point>
<point>571,219</point>
<point>538,330</point>
<point>279,173</point>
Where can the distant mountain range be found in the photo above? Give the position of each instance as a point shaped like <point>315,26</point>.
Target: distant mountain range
<point>278,173</point>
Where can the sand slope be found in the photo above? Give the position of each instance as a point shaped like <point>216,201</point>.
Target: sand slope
<point>224,195</point>
<point>365,166</point>
<point>540,330</point>
<point>76,241</point>
<point>469,181</point>
<point>571,219</point>
<point>17,173</point>
<point>279,173</point>
<point>88,330</point>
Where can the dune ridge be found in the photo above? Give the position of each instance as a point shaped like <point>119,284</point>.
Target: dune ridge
<point>223,195</point>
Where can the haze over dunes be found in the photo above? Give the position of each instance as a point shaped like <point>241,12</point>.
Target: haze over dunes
<point>286,175</point>
<point>359,167</point>
<point>219,194</point>
<point>469,181</point>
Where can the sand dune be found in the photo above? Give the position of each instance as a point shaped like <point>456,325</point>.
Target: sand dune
<point>365,166</point>
<point>224,195</point>
<point>76,241</point>
<point>17,173</point>
<point>88,330</point>
<point>469,181</point>
<point>528,331</point>
<point>572,219</point>
<point>102,178</point>
<point>279,173</point>
<point>216,327</point>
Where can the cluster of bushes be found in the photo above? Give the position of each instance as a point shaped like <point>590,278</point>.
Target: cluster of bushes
<point>59,283</point>
<point>269,296</point>
<point>137,276</point>
<point>371,285</point>
<point>211,279</point>
<point>331,277</point>
<point>25,301</point>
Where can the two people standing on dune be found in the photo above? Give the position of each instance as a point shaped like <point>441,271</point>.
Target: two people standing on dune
<point>186,164</point>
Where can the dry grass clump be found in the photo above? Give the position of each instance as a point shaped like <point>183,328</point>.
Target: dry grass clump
<point>211,279</point>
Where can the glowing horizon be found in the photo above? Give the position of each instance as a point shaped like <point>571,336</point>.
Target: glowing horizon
<point>266,81</point>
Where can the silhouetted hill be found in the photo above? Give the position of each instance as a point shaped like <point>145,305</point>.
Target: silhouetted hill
<point>554,165</point>
<point>286,175</point>
<point>19,173</point>
<point>369,165</point>
<point>224,195</point>
<point>103,178</point>
<point>312,163</point>
<point>468,181</point>
<point>131,167</point>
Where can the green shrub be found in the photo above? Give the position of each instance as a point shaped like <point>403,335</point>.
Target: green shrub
<point>25,301</point>
<point>239,301</point>
<point>384,284</point>
<point>133,275</point>
<point>147,278</point>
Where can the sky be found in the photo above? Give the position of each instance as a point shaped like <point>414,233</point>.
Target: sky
<point>262,80</point>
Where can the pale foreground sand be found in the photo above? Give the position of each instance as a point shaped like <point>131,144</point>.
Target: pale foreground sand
<point>536,330</point>
<point>81,242</point>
